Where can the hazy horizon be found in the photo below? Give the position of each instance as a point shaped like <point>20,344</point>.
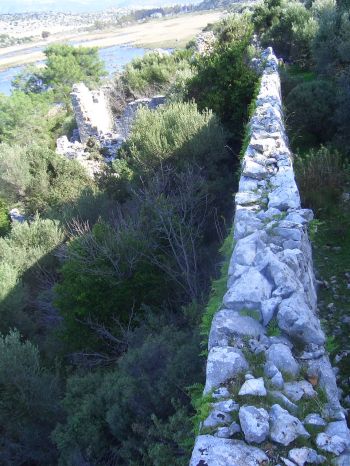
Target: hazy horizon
<point>80,6</point>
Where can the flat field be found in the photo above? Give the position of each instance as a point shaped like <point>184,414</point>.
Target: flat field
<point>166,32</point>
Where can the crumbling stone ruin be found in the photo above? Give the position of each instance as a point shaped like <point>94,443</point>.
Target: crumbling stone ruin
<point>97,125</point>
<point>272,390</point>
<point>92,112</point>
<point>205,42</point>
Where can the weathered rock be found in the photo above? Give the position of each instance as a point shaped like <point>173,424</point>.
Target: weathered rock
<point>226,406</point>
<point>246,198</point>
<point>227,432</point>
<point>285,428</point>
<point>268,309</point>
<point>314,419</point>
<point>300,456</point>
<point>248,291</point>
<point>214,451</point>
<point>277,380</point>
<point>281,356</point>
<point>221,392</point>
<point>342,460</point>
<point>297,390</point>
<point>227,324</point>
<point>217,418</point>
<point>247,248</point>
<point>223,364</point>
<point>297,320</point>
<point>281,399</point>
<point>331,443</point>
<point>253,387</point>
<point>253,169</point>
<point>246,222</point>
<point>255,423</point>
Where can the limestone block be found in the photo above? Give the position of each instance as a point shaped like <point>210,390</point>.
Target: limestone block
<point>254,423</point>
<point>223,364</point>
<point>285,428</point>
<point>215,451</point>
<point>297,320</point>
<point>227,324</point>
<point>248,291</point>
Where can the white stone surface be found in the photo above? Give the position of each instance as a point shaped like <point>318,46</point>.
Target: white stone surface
<point>254,423</point>
<point>285,428</point>
<point>254,387</point>
<point>223,363</point>
<point>214,451</point>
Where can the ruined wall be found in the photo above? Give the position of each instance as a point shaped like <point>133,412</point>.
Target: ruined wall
<point>92,112</point>
<point>274,398</point>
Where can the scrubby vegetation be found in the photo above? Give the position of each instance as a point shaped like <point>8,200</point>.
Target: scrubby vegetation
<point>108,289</point>
<point>106,283</point>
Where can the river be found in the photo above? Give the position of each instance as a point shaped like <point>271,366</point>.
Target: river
<point>115,58</point>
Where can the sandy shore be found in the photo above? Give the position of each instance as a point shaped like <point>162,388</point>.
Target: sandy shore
<point>151,34</point>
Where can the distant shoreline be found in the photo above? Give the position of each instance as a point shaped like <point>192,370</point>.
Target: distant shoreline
<point>173,32</point>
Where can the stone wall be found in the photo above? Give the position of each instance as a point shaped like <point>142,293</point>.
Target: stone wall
<point>273,393</point>
<point>92,112</point>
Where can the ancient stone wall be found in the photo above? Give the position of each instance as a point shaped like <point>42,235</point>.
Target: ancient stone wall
<point>92,112</point>
<point>273,393</point>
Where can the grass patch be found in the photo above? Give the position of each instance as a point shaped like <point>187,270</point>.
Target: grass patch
<point>272,329</point>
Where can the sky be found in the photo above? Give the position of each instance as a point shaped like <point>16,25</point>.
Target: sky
<point>20,6</point>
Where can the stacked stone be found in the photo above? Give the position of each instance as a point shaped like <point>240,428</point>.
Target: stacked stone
<point>92,112</point>
<point>205,42</point>
<point>274,398</point>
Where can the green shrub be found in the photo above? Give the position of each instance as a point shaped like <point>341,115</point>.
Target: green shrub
<point>40,178</point>
<point>136,410</point>
<point>176,133</point>
<point>288,27</point>
<point>223,81</point>
<point>65,65</point>
<point>5,221</point>
<point>23,253</point>
<point>310,110</point>
<point>321,176</point>
<point>29,406</point>
<point>154,72</point>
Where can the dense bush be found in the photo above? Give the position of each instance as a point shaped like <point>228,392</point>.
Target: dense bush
<point>5,222</point>
<point>131,415</point>
<point>316,124</point>
<point>224,81</point>
<point>177,133</point>
<point>321,176</point>
<point>29,406</point>
<point>288,27</point>
<point>154,73</point>
<point>40,178</point>
<point>25,256</point>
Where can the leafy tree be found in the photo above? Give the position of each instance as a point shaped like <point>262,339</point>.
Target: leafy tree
<point>24,118</point>
<point>29,405</point>
<point>65,65</point>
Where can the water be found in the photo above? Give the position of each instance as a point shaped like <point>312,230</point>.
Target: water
<point>115,58</point>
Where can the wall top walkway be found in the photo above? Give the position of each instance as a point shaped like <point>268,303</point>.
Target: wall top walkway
<point>274,394</point>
